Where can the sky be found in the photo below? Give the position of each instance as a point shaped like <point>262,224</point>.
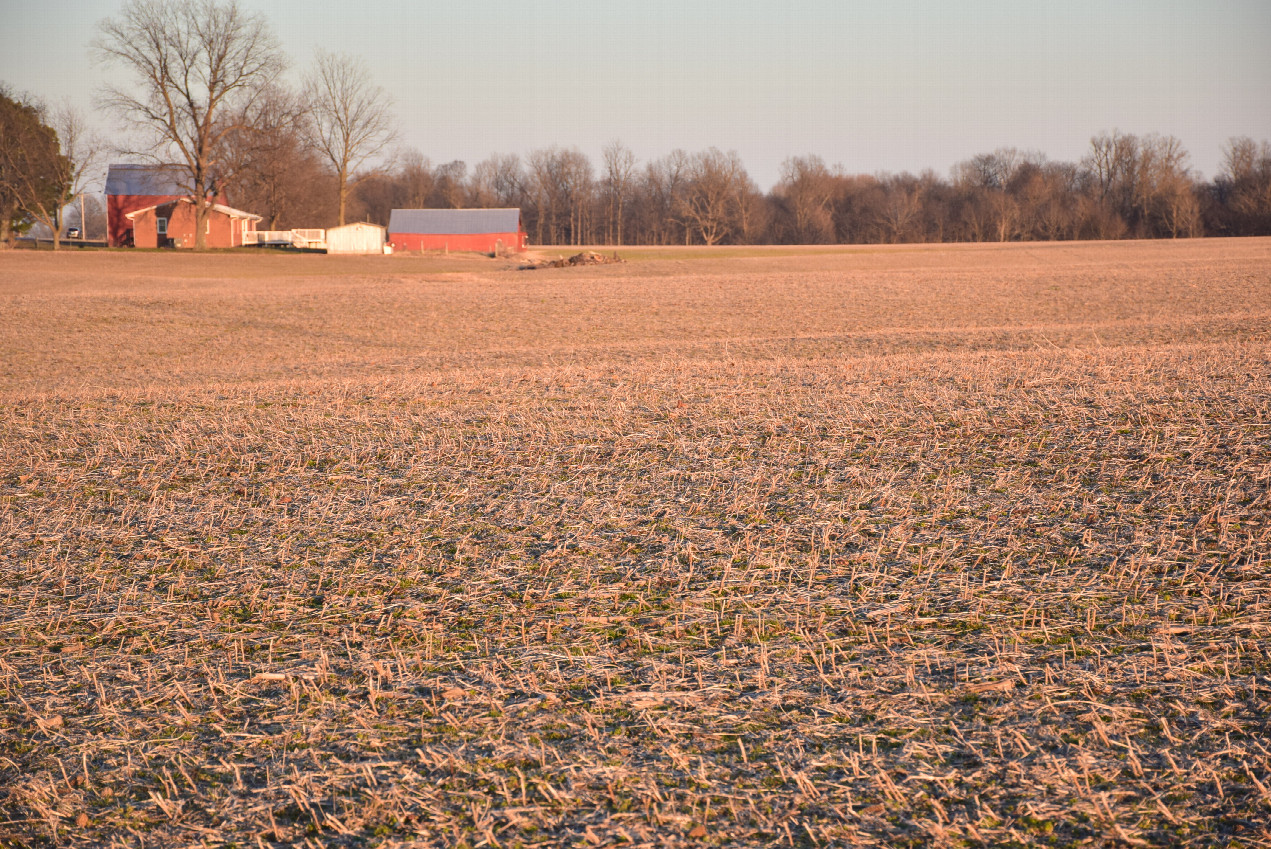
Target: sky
<point>871,86</point>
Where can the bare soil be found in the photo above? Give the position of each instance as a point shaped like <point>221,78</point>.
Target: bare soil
<point>955,545</point>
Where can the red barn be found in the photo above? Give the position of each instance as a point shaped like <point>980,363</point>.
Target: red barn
<point>133,187</point>
<point>171,225</point>
<point>484,230</point>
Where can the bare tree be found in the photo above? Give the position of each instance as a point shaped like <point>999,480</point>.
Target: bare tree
<point>664,186</point>
<point>415,178</point>
<point>1245,185</point>
<point>79,152</point>
<point>1113,162</point>
<point>499,181</point>
<point>989,170</point>
<point>901,207</point>
<point>1163,194</point>
<point>560,182</point>
<point>197,67</point>
<point>808,187</point>
<point>543,193</point>
<point>1050,194</point>
<point>83,150</point>
<point>275,173</point>
<point>351,117</point>
<point>1242,158</point>
<point>619,167</point>
<point>577,189</point>
<point>710,203</point>
<point>449,191</point>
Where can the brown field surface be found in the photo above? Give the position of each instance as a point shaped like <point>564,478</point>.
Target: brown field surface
<point>960,545</point>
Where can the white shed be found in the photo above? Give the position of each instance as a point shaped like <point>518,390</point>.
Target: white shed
<point>359,238</point>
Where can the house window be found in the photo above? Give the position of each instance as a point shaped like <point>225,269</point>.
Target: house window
<point>207,227</point>
<point>161,226</point>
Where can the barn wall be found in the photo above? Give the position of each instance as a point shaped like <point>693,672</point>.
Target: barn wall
<point>482,242</point>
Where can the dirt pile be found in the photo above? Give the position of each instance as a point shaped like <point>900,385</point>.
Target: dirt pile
<point>584,258</point>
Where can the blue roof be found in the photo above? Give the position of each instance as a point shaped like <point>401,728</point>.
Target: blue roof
<point>147,180</point>
<point>454,222</point>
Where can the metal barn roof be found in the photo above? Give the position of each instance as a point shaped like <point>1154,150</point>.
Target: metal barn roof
<point>454,222</point>
<point>146,180</point>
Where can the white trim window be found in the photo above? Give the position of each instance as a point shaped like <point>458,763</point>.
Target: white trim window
<point>161,226</point>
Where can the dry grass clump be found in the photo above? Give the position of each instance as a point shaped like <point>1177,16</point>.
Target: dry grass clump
<point>999,580</point>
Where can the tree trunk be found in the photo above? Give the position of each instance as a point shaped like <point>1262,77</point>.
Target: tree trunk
<point>200,220</point>
<point>344,193</point>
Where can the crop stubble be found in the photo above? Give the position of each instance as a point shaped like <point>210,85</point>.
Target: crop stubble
<point>931,546</point>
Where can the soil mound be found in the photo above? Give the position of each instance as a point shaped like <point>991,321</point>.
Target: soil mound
<point>584,258</point>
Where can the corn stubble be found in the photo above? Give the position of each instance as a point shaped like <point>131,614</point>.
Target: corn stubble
<point>1002,580</point>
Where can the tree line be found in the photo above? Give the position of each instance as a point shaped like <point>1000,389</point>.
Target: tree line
<point>204,91</point>
<point>1126,186</point>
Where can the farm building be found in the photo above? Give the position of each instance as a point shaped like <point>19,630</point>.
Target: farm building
<point>359,238</point>
<point>171,224</point>
<point>485,230</point>
<point>133,187</point>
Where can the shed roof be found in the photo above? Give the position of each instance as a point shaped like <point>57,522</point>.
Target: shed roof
<point>454,222</point>
<point>356,225</point>
<point>146,180</point>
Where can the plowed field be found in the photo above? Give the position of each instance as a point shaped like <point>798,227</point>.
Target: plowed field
<point>962,545</point>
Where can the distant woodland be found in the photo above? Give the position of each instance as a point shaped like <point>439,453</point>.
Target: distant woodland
<point>205,95</point>
<point>1126,187</point>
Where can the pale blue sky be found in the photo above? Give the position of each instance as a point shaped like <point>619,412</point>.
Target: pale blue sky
<point>875,86</point>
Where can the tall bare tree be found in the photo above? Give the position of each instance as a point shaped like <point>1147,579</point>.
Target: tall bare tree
<point>560,186</point>
<point>619,170</point>
<point>79,150</point>
<point>415,179</point>
<point>807,186</point>
<point>664,186</point>
<point>577,186</point>
<point>1163,197</point>
<point>499,181</point>
<point>450,190</point>
<point>1113,162</point>
<point>351,116</point>
<point>83,151</point>
<point>710,203</point>
<point>275,172</point>
<point>196,65</point>
<point>901,208</point>
<point>1245,184</point>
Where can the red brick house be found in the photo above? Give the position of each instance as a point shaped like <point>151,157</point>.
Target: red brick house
<point>484,230</point>
<point>171,225</point>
